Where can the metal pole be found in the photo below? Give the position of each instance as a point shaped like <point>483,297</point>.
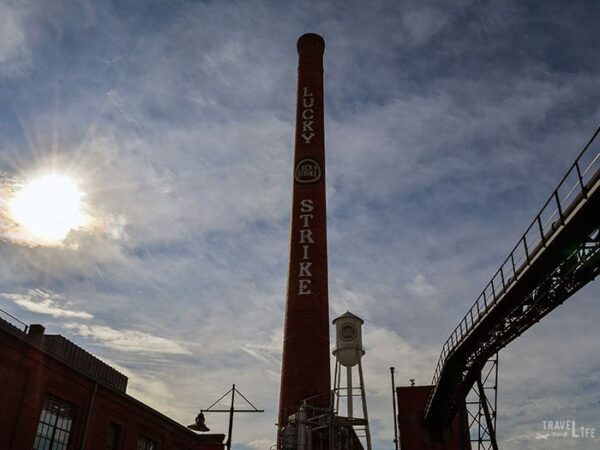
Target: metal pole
<point>331,437</point>
<point>228,444</point>
<point>394,404</point>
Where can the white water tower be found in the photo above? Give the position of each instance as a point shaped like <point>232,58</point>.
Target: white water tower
<point>348,339</point>
<point>348,352</point>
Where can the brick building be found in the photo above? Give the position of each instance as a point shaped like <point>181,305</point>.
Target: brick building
<point>57,396</point>
<point>415,435</point>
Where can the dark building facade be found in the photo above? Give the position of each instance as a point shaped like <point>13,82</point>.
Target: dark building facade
<point>415,435</point>
<point>56,396</point>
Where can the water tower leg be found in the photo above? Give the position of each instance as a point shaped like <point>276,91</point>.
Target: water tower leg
<point>337,386</point>
<point>349,382</point>
<point>335,377</point>
<point>363,395</point>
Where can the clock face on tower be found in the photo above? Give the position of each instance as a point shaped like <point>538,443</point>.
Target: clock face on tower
<point>347,332</point>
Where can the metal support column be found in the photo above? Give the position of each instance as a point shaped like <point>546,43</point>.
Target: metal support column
<point>481,407</point>
<point>363,395</point>
<point>394,406</point>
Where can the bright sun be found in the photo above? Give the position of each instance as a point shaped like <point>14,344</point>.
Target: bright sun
<point>49,207</point>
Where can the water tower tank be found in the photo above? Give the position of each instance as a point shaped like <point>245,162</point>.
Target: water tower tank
<point>348,339</point>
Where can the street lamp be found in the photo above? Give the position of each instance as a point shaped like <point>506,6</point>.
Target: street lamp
<point>199,424</point>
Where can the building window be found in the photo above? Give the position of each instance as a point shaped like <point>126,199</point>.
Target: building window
<point>54,427</point>
<point>114,436</point>
<point>145,443</point>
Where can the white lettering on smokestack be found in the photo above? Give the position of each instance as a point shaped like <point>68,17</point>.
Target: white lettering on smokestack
<point>305,237</point>
<point>308,114</point>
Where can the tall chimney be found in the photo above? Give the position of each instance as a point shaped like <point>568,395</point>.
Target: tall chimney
<point>305,368</point>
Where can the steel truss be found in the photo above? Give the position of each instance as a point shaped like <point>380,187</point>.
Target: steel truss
<point>481,407</point>
<point>582,266</point>
<point>558,255</point>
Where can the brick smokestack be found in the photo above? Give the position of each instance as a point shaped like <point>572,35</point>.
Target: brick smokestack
<point>305,368</point>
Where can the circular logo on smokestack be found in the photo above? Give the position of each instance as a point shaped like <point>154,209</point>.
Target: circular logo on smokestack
<point>307,171</point>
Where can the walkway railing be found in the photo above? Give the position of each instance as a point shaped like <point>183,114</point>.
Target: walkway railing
<point>571,191</point>
<point>12,320</point>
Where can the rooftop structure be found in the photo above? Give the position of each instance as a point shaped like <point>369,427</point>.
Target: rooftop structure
<point>60,396</point>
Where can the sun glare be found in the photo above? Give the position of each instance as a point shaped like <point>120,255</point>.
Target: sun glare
<point>49,207</point>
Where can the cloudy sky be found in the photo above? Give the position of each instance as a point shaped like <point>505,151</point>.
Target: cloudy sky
<point>448,124</point>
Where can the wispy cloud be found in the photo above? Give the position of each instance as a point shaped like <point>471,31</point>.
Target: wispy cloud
<point>44,302</point>
<point>420,288</point>
<point>268,352</point>
<point>15,57</point>
<point>260,444</point>
<point>127,340</point>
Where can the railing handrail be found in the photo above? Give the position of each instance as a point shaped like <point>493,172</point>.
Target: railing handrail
<point>546,231</point>
<point>7,317</point>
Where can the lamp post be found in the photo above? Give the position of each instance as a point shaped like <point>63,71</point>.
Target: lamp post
<point>199,424</point>
<point>394,404</point>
